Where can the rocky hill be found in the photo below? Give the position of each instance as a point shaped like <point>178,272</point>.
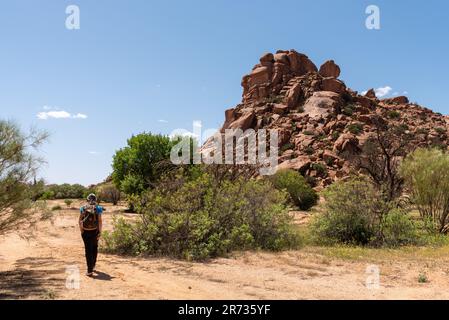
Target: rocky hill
<point>320,120</point>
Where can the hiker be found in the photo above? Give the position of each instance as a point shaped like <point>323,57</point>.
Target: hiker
<point>90,223</point>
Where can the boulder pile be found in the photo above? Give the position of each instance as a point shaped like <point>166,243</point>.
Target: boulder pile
<point>318,118</point>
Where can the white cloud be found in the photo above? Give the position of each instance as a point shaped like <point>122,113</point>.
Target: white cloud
<point>383,91</point>
<point>54,113</point>
<point>94,152</point>
<point>162,121</point>
<point>183,133</point>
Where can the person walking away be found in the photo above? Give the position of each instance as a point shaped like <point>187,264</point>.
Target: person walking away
<point>90,223</point>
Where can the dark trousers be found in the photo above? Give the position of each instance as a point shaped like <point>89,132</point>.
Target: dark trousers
<point>91,248</point>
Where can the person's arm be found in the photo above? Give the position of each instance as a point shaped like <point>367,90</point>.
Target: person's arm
<point>100,220</point>
<point>100,223</point>
<point>80,221</point>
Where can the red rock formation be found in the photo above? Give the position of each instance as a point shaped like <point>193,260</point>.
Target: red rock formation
<point>318,118</point>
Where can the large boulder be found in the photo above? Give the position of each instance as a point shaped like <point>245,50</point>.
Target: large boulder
<point>300,63</point>
<point>396,100</point>
<point>229,118</point>
<point>346,142</point>
<point>259,76</point>
<point>300,164</point>
<point>371,94</point>
<point>279,108</point>
<point>246,121</point>
<point>330,69</point>
<point>334,85</point>
<point>321,104</point>
<point>267,59</point>
<point>293,94</point>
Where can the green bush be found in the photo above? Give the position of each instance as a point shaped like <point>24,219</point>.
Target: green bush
<point>441,130</point>
<point>351,213</point>
<point>393,114</point>
<point>205,218</point>
<point>426,174</point>
<point>56,208</point>
<point>287,146</point>
<point>309,150</point>
<point>63,191</point>
<point>68,202</point>
<point>348,110</point>
<point>320,168</point>
<point>301,194</point>
<point>356,214</point>
<point>335,135</point>
<point>355,128</point>
<point>399,229</point>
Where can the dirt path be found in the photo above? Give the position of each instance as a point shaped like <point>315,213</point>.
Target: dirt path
<point>36,269</point>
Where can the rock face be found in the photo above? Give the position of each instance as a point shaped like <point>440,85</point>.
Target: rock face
<point>330,69</point>
<point>320,120</point>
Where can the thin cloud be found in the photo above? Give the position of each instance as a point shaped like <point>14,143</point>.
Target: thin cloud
<point>58,114</point>
<point>162,121</point>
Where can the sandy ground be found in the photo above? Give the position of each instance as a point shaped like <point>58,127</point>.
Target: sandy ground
<point>36,263</point>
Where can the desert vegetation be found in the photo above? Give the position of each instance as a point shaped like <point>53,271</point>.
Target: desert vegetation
<point>18,166</point>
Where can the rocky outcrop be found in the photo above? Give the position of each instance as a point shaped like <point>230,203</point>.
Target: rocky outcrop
<point>320,121</point>
<point>273,73</point>
<point>330,69</point>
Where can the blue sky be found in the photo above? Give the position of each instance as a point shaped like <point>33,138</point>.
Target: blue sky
<point>143,65</point>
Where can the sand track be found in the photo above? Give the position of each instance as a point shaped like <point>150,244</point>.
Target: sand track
<point>35,268</point>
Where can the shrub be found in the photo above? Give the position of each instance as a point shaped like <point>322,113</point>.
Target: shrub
<point>355,213</point>
<point>287,146</point>
<point>56,208</point>
<point>63,191</point>
<point>335,135</point>
<point>309,150</point>
<point>422,278</point>
<point>440,130</point>
<point>204,217</point>
<point>68,202</point>
<point>348,110</point>
<point>399,229</point>
<point>301,193</point>
<point>109,193</point>
<point>355,128</point>
<point>320,169</point>
<point>426,173</point>
<point>351,213</point>
<point>424,131</point>
<point>393,114</point>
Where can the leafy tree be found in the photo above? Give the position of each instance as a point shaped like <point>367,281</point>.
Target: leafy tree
<point>136,166</point>
<point>381,156</point>
<point>18,166</point>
